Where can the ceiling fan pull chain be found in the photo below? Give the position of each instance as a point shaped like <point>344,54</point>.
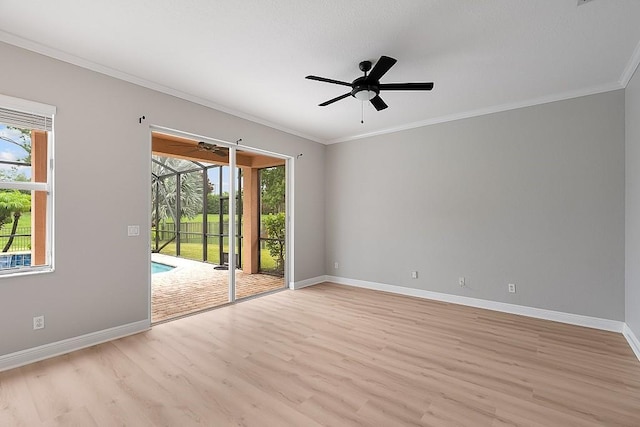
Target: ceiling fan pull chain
<point>362,117</point>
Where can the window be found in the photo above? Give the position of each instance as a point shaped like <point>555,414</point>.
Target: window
<point>26,138</point>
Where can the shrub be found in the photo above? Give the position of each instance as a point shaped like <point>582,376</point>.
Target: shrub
<point>274,224</point>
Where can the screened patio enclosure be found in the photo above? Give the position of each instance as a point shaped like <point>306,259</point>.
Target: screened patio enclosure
<point>186,220</point>
<point>190,201</point>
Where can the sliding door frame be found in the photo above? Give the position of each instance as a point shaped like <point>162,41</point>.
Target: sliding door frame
<point>232,209</point>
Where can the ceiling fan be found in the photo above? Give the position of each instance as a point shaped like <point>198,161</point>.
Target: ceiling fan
<point>210,148</point>
<point>368,87</point>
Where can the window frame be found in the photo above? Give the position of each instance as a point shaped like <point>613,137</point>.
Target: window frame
<point>48,112</point>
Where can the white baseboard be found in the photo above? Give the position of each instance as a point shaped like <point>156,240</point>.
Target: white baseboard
<point>307,282</point>
<point>24,357</point>
<point>539,313</point>
<point>632,339</point>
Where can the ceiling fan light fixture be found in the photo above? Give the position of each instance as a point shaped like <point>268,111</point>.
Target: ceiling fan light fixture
<point>365,95</point>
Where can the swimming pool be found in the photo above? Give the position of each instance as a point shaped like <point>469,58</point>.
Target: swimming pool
<point>157,267</point>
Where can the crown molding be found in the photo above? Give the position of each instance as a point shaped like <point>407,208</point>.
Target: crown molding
<point>32,46</point>
<point>631,67</point>
<point>484,111</point>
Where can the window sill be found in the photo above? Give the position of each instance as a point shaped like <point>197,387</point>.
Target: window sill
<point>15,272</point>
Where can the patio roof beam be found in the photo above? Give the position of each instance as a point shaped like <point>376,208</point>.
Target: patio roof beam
<point>182,148</point>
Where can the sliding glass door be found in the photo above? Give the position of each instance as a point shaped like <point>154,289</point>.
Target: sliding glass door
<point>218,224</point>
<point>260,224</point>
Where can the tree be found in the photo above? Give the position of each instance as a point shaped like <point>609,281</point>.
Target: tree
<point>24,142</point>
<point>12,205</point>
<point>274,224</point>
<point>213,203</point>
<point>272,189</point>
<point>165,191</point>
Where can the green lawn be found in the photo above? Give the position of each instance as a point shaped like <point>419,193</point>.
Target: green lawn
<point>198,219</point>
<point>24,221</point>
<point>194,251</point>
<point>19,243</point>
<point>211,218</point>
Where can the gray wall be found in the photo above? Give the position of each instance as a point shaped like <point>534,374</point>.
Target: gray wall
<point>632,110</point>
<point>532,196</point>
<point>102,182</point>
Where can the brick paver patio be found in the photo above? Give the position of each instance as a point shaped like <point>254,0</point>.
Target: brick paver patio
<point>194,286</point>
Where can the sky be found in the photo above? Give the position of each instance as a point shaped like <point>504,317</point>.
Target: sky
<point>214,177</point>
<point>12,152</point>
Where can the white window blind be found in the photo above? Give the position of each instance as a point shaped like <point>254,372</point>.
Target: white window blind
<point>26,114</point>
<point>23,120</point>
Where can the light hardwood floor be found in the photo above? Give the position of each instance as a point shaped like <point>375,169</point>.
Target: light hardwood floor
<point>332,355</point>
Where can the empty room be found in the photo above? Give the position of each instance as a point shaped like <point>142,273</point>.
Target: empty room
<point>285,213</point>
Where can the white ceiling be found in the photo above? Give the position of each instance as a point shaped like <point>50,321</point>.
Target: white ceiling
<point>250,57</point>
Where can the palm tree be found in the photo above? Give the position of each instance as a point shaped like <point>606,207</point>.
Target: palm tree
<point>13,204</point>
<point>164,184</point>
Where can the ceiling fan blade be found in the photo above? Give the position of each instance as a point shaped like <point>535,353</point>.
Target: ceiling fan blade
<point>406,86</point>
<point>337,98</point>
<point>323,79</point>
<point>378,103</point>
<point>382,66</point>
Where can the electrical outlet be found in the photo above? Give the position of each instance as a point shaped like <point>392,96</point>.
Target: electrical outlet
<point>414,274</point>
<point>461,281</point>
<point>512,288</point>
<point>38,322</point>
<point>133,230</point>
<point>336,265</point>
